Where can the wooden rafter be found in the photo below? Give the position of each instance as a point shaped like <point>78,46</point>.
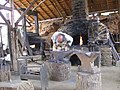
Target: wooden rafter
<point>19,13</point>
<point>50,10</point>
<point>6,21</point>
<point>7,1</point>
<point>26,7</point>
<point>5,7</point>
<point>25,12</point>
<point>56,8</point>
<point>119,7</point>
<point>58,4</point>
<point>67,6</point>
<point>30,19</point>
<point>107,5</point>
<point>38,13</point>
<point>38,4</point>
<point>44,11</point>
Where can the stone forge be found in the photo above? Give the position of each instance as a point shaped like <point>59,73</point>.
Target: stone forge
<point>79,23</point>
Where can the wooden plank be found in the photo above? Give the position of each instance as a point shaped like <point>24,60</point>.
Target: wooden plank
<point>38,5</point>
<point>22,3</point>
<point>10,45</point>
<point>28,18</point>
<point>5,7</point>
<point>58,4</point>
<point>119,7</point>
<point>36,24</point>
<point>50,10</point>
<point>67,6</point>
<point>6,21</point>
<point>38,13</point>
<point>21,17</point>
<point>53,4</point>
<point>44,11</point>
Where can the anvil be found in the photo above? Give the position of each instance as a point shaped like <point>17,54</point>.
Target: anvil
<point>60,55</point>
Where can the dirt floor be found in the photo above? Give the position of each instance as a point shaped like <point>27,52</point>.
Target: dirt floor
<point>110,80</point>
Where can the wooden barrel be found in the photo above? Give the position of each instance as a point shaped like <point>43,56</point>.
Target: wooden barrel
<point>59,71</point>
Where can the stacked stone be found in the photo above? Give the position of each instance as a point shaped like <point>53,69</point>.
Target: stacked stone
<point>79,23</point>
<point>106,56</point>
<point>78,9</point>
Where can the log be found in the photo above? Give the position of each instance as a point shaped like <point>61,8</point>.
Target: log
<point>59,71</point>
<point>88,81</point>
<point>5,74</point>
<point>106,56</point>
<point>16,85</point>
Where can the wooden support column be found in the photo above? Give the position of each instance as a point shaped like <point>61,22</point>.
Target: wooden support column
<point>119,15</point>
<point>36,24</point>
<point>12,37</point>
<point>4,7</point>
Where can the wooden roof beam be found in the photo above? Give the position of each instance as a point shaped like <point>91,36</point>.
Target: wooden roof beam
<point>4,7</point>
<point>50,10</point>
<point>26,7</point>
<point>25,12</point>
<point>38,13</point>
<point>6,21</point>
<point>54,5</point>
<point>67,6</point>
<point>57,3</point>
<point>119,7</point>
<point>6,2</point>
<point>38,5</point>
<point>19,13</point>
<point>107,4</point>
<point>19,10</point>
<point>44,11</point>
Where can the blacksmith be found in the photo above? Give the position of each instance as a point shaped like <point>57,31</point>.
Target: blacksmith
<point>61,41</point>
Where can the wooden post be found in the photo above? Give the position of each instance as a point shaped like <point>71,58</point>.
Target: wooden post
<point>36,23</point>
<point>119,16</point>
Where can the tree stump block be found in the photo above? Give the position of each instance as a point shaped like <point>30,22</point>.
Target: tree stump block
<point>16,85</point>
<point>5,74</point>
<point>88,81</point>
<point>106,56</point>
<point>59,71</point>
